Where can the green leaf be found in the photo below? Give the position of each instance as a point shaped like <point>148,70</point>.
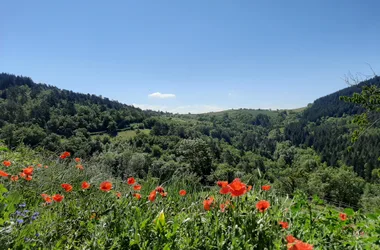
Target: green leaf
<point>349,211</point>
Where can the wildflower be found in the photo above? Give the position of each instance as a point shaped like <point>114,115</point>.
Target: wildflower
<point>262,205</point>
<point>118,194</point>
<point>77,160</point>
<point>164,194</point>
<point>35,215</point>
<point>137,187</point>
<point>28,170</point>
<point>182,192</point>
<point>7,163</point>
<point>295,244</point>
<point>106,186</point>
<point>237,188</point>
<point>46,166</point>
<point>266,187</point>
<point>85,185</point>
<point>284,224</point>
<point>80,167</point>
<point>131,181</point>
<point>225,190</point>
<point>14,178</point>
<point>223,207</point>
<point>222,183</point>
<point>3,174</point>
<point>152,196</point>
<point>47,198</point>
<point>20,221</point>
<point>64,155</point>
<point>249,188</point>
<point>160,189</point>
<point>137,196</point>
<point>22,175</point>
<point>343,216</point>
<point>22,205</point>
<point>207,203</point>
<point>28,178</point>
<point>39,165</point>
<point>37,235</point>
<point>58,197</point>
<point>67,187</point>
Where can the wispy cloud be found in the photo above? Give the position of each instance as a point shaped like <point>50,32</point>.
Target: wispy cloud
<point>159,95</point>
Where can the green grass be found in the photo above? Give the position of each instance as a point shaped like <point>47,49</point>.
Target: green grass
<point>132,133</point>
<point>93,219</point>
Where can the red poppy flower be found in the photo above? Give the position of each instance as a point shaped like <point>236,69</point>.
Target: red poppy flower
<point>222,183</point>
<point>295,244</point>
<point>262,205</point>
<point>28,178</point>
<point>106,186</point>
<point>137,187</point>
<point>237,188</point>
<point>22,175</point>
<point>7,163</point>
<point>152,196</point>
<point>160,189</point>
<point>80,167</point>
<point>85,185</point>
<point>64,155</point>
<point>164,194</point>
<point>225,190</point>
<point>118,194</point>
<point>290,239</point>
<point>39,165</point>
<point>77,160</point>
<point>138,196</point>
<point>47,198</point>
<point>28,170</point>
<point>343,216</point>
<point>265,187</point>
<point>249,188</point>
<point>58,197</point>
<point>222,207</point>
<point>67,187</point>
<point>208,203</point>
<point>284,224</point>
<point>299,245</point>
<point>131,181</point>
<point>182,192</point>
<point>3,174</point>
<point>46,166</point>
<point>14,178</point>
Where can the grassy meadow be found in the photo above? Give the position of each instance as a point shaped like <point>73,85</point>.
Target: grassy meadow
<point>48,206</point>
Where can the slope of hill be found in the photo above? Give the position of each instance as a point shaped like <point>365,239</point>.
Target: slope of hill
<point>30,112</point>
<point>331,106</point>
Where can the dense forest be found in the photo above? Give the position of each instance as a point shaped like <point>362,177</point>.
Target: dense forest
<point>304,149</point>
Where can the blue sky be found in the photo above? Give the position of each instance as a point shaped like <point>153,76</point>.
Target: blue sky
<point>192,56</point>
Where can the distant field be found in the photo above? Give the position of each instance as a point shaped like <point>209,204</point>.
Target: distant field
<point>237,112</point>
<point>132,133</point>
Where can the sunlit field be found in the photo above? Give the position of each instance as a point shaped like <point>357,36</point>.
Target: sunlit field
<point>62,202</point>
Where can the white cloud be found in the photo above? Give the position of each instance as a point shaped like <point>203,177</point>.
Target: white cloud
<point>161,96</point>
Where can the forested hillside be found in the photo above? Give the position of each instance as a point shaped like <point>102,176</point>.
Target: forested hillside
<point>294,150</point>
<point>301,154</point>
